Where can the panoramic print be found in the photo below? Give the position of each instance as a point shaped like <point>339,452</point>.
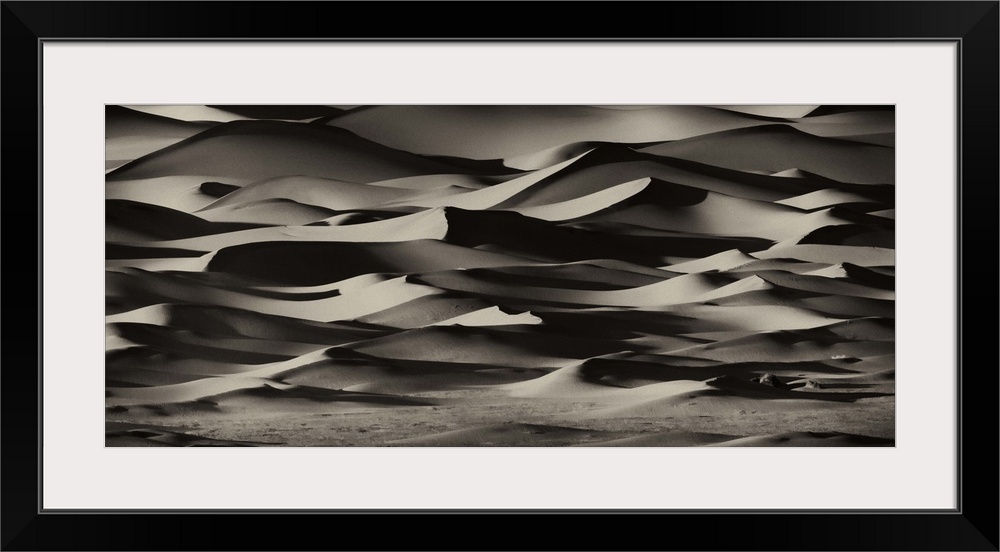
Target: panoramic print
<point>500,275</point>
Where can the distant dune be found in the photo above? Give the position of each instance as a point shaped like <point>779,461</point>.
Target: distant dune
<point>776,148</point>
<point>270,149</point>
<point>131,134</point>
<point>500,275</point>
<point>521,130</point>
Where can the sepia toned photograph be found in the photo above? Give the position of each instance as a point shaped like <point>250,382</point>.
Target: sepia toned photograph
<point>500,275</point>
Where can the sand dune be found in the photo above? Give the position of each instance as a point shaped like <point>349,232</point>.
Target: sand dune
<point>532,238</point>
<point>399,275</point>
<point>180,193</point>
<point>120,122</point>
<point>687,288</point>
<point>850,306</point>
<point>224,349</point>
<point>270,149</point>
<point>617,378</point>
<point>426,310</point>
<point>183,392</point>
<point>123,364</point>
<point>722,394</point>
<point>281,112</point>
<point>118,251</point>
<point>656,207</point>
<point>779,147</point>
<point>489,197</point>
<point>459,344</point>
<point>191,113</point>
<point>137,290</point>
<point>788,346</point>
<point>437,181</point>
<point>571,381</point>
<point>320,192</point>
<point>131,134</point>
<point>129,221</point>
<point>823,198</point>
<point>867,276</point>
<point>720,262</point>
<point>278,212</point>
<point>592,274</point>
<point>492,316</point>
<point>150,259</point>
<point>849,123</point>
<point>831,254</point>
<point>764,317</point>
<point>824,286</point>
<point>296,262</point>
<point>849,108</point>
<point>233,322</point>
<point>773,111</point>
<point>522,130</point>
<point>793,266</point>
<point>552,156</point>
<point>586,205</point>
<point>425,225</point>
<point>610,164</point>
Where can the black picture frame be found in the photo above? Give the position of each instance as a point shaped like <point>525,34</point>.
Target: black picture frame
<point>973,525</point>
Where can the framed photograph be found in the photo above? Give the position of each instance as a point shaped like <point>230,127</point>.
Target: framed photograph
<point>699,265</point>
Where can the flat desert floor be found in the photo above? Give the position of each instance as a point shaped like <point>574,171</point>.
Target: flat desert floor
<point>638,276</point>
